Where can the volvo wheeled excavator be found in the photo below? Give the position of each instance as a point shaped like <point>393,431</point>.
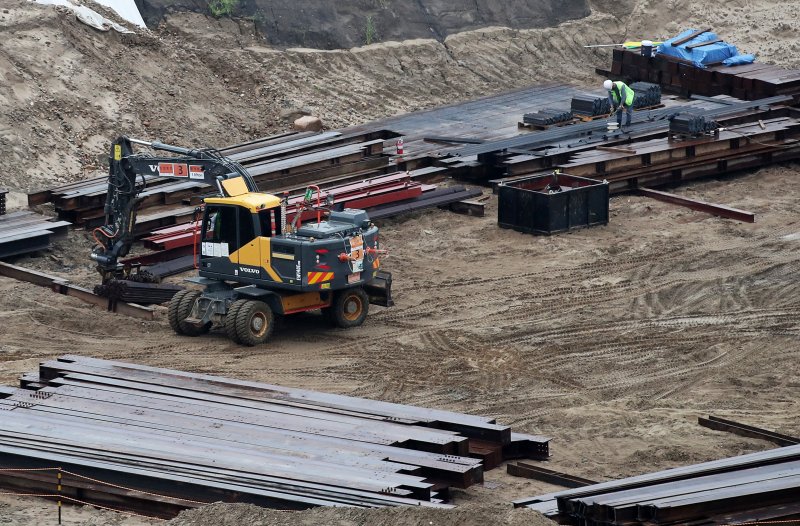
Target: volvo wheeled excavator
<point>252,263</point>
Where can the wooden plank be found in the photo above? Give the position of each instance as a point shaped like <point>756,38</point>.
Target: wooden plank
<point>701,44</point>
<point>689,37</point>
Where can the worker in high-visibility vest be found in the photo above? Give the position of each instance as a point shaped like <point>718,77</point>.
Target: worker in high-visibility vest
<point>621,98</point>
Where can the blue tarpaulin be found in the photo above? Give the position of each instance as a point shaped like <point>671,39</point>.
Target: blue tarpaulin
<point>738,60</point>
<point>699,56</point>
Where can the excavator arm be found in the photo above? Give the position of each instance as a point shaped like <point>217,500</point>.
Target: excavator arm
<point>128,176</point>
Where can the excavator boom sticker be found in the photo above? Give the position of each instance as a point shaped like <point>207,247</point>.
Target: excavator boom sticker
<point>196,172</point>
<point>173,170</point>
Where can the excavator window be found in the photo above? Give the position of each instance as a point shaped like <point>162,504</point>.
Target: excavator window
<point>220,230</point>
<point>270,222</point>
<point>247,231</point>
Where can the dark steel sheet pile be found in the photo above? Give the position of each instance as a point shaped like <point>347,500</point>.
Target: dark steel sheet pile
<point>761,486</point>
<point>181,435</point>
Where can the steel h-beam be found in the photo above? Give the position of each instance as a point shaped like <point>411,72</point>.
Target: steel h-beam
<point>701,206</point>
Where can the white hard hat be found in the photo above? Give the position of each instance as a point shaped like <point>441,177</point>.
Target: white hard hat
<point>608,84</point>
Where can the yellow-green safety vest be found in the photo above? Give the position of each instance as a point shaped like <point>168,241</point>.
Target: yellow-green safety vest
<point>628,93</point>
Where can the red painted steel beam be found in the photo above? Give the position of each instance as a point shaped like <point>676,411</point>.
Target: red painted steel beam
<point>700,206</point>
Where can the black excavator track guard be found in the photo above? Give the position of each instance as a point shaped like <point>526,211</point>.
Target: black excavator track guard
<point>379,289</point>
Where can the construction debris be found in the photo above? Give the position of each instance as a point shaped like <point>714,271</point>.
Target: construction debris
<point>175,440</point>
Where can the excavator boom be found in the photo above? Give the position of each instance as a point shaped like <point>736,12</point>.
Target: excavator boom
<point>128,175</point>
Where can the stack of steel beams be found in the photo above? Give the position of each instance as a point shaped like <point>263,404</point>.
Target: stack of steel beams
<point>647,94</point>
<point>688,124</point>
<point>382,197</point>
<point>759,486</point>
<point>591,105</point>
<point>748,82</point>
<point>179,435</point>
<point>274,162</point>
<point>24,232</point>
<point>135,292</point>
<point>547,117</point>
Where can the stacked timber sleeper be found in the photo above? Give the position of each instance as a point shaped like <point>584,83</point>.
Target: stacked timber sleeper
<point>759,486</point>
<point>205,438</point>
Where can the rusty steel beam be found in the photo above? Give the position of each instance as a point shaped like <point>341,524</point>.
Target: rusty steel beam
<point>744,430</point>
<point>63,286</point>
<point>701,206</point>
<point>523,469</point>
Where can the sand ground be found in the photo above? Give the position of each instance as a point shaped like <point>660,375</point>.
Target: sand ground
<point>612,340</point>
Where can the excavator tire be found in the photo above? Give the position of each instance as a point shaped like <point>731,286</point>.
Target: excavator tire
<point>350,308</point>
<point>173,311</point>
<point>230,320</point>
<point>182,310</point>
<point>254,323</point>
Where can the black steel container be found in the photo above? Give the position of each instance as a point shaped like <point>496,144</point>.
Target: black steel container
<point>548,204</point>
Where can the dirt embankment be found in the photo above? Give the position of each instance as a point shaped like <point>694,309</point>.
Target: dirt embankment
<point>324,24</point>
<point>68,90</point>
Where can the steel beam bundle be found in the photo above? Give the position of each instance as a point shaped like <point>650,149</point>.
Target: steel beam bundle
<point>275,162</point>
<point>440,197</point>
<point>547,117</point>
<point>596,132</point>
<point>662,161</point>
<point>646,94</point>
<point>139,293</point>
<point>687,124</point>
<point>366,195</point>
<point>748,82</point>
<point>24,232</point>
<point>590,105</point>
<point>701,494</point>
<point>192,436</point>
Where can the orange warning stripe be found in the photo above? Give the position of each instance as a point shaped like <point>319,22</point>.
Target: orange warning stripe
<point>319,277</point>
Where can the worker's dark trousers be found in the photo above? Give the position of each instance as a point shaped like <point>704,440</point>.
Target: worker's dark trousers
<point>629,115</point>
